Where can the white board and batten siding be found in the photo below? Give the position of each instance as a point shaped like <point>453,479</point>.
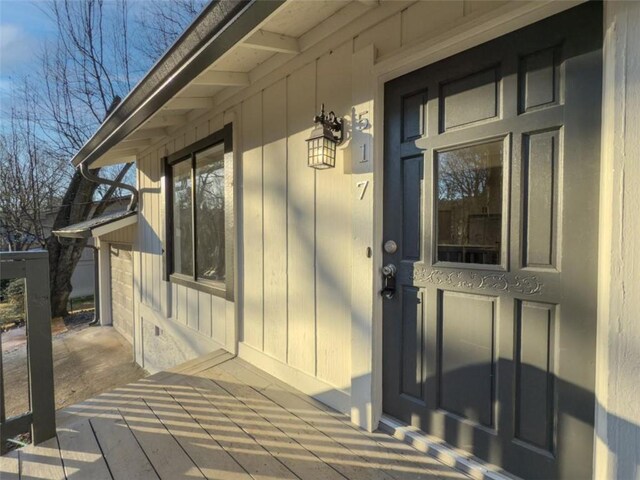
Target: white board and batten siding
<point>123,236</point>
<point>176,323</point>
<point>295,224</point>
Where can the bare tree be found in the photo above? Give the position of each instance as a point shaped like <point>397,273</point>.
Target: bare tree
<point>30,179</point>
<point>84,70</point>
<point>162,22</point>
<point>92,61</point>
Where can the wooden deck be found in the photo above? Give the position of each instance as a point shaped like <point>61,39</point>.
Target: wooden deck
<point>216,417</point>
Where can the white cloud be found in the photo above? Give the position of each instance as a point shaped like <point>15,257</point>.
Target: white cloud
<point>17,48</point>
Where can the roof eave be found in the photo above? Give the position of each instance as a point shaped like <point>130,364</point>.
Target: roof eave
<point>231,31</point>
<point>99,229</point>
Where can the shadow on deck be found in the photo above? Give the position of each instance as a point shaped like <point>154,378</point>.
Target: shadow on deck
<point>215,417</point>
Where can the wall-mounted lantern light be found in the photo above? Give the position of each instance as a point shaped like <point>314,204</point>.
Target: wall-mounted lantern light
<point>325,137</point>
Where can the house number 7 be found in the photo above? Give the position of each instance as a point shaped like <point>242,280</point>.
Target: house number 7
<point>363,187</point>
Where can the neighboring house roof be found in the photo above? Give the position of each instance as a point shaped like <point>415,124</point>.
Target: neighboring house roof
<point>221,25</point>
<point>99,226</point>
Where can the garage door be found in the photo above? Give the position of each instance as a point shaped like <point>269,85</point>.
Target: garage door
<point>491,227</point>
<point>122,290</point>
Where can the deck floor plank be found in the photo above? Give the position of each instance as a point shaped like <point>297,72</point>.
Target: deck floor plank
<point>326,447</point>
<point>106,402</point>
<point>126,460</point>
<point>213,461</point>
<point>288,450</point>
<point>206,409</point>
<point>80,452</point>
<point>216,417</point>
<point>10,466</point>
<point>168,458</point>
<point>41,461</point>
<point>394,457</point>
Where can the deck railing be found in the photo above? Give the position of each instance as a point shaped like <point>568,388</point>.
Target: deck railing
<point>33,266</point>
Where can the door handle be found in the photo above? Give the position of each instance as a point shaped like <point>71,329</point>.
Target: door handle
<point>389,272</point>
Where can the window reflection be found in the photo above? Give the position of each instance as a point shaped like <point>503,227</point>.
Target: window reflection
<point>210,238</point>
<point>182,221</point>
<point>469,209</point>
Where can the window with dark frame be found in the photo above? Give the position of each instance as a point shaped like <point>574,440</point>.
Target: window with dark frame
<point>198,253</point>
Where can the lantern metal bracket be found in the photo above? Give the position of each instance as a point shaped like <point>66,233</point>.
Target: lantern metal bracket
<point>331,122</point>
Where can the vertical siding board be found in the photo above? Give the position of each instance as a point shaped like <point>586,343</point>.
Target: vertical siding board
<point>215,123</point>
<point>252,219</point>
<point>159,221</point>
<point>174,303</point>
<point>219,306</point>
<point>182,304</point>
<point>142,233</point>
<point>275,221</point>
<point>164,290</point>
<point>146,205</point>
<point>300,221</point>
<point>148,248</point>
<point>175,297</point>
<point>386,35</point>
<point>192,308</point>
<point>152,246</point>
<point>430,18</point>
<point>190,136</point>
<point>212,316</point>
<point>178,143</point>
<point>202,129</point>
<point>333,232</point>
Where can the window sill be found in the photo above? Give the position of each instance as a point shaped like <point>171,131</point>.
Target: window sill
<point>217,289</point>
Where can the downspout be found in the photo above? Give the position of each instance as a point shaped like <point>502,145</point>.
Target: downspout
<point>86,173</point>
<point>96,285</point>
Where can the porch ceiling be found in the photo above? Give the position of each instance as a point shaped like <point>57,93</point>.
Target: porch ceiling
<point>290,30</point>
<point>216,417</point>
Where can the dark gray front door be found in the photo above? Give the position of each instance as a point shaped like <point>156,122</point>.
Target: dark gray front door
<point>491,195</point>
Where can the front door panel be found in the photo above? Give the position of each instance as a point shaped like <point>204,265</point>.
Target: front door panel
<point>491,194</point>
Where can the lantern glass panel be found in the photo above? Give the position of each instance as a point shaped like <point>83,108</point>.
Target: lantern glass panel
<point>321,152</point>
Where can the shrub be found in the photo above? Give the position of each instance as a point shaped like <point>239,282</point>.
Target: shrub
<point>15,292</point>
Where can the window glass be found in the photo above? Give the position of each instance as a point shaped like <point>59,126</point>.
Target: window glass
<point>210,234</point>
<point>182,221</point>
<point>469,209</point>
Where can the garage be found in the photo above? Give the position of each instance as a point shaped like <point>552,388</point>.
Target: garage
<point>121,269</point>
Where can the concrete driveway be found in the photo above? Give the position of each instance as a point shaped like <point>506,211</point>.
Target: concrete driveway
<point>86,362</point>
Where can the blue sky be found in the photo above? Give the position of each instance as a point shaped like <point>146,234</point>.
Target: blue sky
<point>24,27</point>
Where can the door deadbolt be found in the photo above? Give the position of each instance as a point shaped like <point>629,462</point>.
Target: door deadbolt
<point>390,246</point>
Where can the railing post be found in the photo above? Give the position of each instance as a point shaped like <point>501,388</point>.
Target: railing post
<point>39,349</point>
